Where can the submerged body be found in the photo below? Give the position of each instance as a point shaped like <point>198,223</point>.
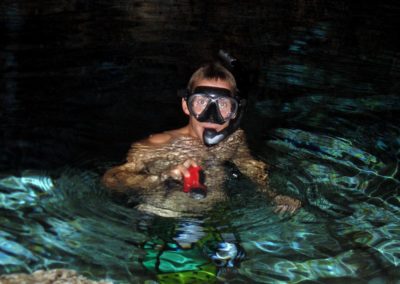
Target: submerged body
<point>147,163</point>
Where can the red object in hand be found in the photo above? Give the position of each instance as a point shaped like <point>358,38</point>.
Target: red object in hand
<point>194,184</point>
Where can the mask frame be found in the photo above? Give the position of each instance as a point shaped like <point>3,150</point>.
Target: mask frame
<point>212,112</point>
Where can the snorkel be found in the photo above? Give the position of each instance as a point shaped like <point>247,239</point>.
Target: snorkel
<point>210,136</point>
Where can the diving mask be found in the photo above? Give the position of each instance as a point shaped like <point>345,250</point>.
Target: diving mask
<point>212,104</point>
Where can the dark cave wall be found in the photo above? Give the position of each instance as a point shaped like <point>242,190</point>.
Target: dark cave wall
<point>83,79</point>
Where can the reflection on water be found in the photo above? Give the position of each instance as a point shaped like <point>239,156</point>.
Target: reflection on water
<point>68,221</point>
<point>64,222</point>
<point>84,79</point>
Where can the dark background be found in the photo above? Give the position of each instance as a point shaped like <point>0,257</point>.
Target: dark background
<point>82,79</point>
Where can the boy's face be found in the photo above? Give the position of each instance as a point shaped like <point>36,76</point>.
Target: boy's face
<point>196,128</point>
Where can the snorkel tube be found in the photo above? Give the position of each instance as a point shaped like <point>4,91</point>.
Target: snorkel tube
<point>210,136</point>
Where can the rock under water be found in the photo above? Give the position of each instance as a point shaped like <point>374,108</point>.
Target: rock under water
<point>53,276</point>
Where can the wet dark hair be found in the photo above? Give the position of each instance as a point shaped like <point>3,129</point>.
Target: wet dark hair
<point>212,71</point>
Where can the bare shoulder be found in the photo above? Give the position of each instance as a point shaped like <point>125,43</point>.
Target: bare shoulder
<point>166,136</point>
<point>159,138</point>
<point>240,133</point>
<point>237,138</point>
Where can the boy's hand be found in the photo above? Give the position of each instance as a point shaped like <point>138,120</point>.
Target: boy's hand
<point>285,204</point>
<point>180,171</point>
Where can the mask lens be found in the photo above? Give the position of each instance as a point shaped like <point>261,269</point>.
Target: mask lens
<point>227,107</point>
<point>198,103</point>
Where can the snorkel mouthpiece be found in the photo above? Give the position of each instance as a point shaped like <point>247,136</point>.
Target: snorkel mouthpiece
<point>212,137</point>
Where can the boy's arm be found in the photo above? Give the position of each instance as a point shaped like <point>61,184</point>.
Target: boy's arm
<point>257,172</point>
<point>132,174</point>
<point>129,176</point>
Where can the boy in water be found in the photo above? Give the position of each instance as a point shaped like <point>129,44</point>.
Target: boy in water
<point>210,140</point>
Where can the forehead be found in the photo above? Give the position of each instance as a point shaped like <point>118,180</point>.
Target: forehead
<point>213,83</point>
